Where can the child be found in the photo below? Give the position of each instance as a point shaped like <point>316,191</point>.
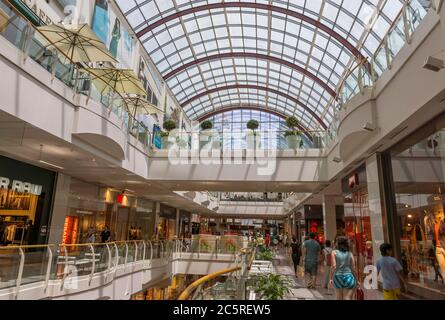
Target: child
<point>392,273</point>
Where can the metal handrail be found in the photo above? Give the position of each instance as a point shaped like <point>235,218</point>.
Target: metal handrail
<point>189,290</point>
<point>197,284</point>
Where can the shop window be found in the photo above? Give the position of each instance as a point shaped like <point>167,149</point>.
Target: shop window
<point>418,167</point>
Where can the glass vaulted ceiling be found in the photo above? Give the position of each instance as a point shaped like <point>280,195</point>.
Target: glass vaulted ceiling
<point>288,56</point>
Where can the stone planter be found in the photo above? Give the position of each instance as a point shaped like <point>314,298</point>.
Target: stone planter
<point>165,143</point>
<point>253,141</point>
<point>293,142</point>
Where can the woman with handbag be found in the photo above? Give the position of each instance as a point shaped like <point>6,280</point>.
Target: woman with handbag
<point>296,254</point>
<point>343,276</point>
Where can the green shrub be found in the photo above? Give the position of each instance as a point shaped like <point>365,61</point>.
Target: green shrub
<point>272,286</point>
<point>253,125</point>
<point>292,122</point>
<point>291,133</point>
<point>207,125</point>
<point>169,125</point>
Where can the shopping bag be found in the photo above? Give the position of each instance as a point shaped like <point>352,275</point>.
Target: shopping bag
<point>360,294</point>
<point>300,272</point>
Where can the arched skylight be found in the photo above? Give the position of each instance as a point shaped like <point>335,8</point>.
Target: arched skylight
<point>287,56</point>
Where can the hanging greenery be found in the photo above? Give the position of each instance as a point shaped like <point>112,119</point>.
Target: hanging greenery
<point>169,125</point>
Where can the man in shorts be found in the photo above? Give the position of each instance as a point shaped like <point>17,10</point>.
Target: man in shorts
<point>311,253</point>
<point>392,273</point>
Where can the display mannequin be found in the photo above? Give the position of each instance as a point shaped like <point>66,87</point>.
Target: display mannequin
<point>439,232</point>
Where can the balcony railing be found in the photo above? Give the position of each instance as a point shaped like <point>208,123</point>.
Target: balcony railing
<point>27,38</point>
<point>242,140</point>
<point>253,196</point>
<point>21,265</point>
<point>398,35</point>
<point>365,75</point>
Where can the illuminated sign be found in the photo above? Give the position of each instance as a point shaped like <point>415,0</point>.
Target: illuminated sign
<point>19,186</point>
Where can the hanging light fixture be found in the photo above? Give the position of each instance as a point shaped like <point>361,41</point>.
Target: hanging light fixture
<point>46,162</point>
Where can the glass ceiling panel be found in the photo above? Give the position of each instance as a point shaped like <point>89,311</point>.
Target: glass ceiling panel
<point>287,32</point>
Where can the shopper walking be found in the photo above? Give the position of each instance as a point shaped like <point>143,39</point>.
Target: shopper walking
<point>311,253</point>
<point>392,273</point>
<point>267,240</point>
<point>343,266</point>
<point>105,235</point>
<point>327,257</point>
<point>296,254</point>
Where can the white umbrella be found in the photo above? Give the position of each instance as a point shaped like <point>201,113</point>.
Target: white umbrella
<point>78,42</point>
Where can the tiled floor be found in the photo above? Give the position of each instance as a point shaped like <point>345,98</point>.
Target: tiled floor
<point>283,266</point>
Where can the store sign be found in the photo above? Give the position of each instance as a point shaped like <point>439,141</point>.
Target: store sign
<point>43,10</point>
<point>19,186</point>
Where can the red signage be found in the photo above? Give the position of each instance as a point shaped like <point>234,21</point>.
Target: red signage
<point>120,198</point>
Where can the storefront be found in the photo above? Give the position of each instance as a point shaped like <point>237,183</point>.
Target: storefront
<point>357,221</point>
<point>26,196</point>
<point>314,221</point>
<point>84,210</point>
<point>185,224</point>
<point>417,171</point>
<point>196,224</point>
<point>167,223</point>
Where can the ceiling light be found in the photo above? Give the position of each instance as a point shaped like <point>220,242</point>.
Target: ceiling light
<point>336,160</point>
<point>434,64</point>
<point>410,216</point>
<point>46,162</point>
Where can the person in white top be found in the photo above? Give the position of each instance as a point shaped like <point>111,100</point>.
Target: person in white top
<point>327,255</point>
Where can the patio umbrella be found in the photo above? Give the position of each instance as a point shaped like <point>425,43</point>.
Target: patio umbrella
<point>4,18</point>
<point>77,42</point>
<point>122,81</point>
<point>137,105</point>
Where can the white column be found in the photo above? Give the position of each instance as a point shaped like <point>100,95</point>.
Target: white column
<point>329,217</point>
<point>375,205</point>
<point>60,208</point>
<point>177,222</point>
<point>157,216</point>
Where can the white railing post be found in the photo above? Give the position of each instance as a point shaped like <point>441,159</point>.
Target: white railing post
<point>126,256</point>
<point>143,251</point>
<point>109,261</point>
<point>93,266</point>
<point>116,260</point>
<point>151,253</point>
<point>48,268</point>
<point>65,269</point>
<point>135,251</point>
<point>20,273</point>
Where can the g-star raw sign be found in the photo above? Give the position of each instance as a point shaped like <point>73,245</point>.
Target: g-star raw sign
<point>19,186</point>
<point>43,10</point>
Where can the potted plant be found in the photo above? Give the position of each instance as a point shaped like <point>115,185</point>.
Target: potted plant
<point>252,141</point>
<point>293,136</point>
<point>267,255</point>
<point>206,125</point>
<point>205,133</point>
<point>169,125</point>
<point>272,287</point>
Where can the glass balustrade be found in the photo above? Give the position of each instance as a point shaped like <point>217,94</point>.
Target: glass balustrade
<point>34,45</point>
<point>240,140</point>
